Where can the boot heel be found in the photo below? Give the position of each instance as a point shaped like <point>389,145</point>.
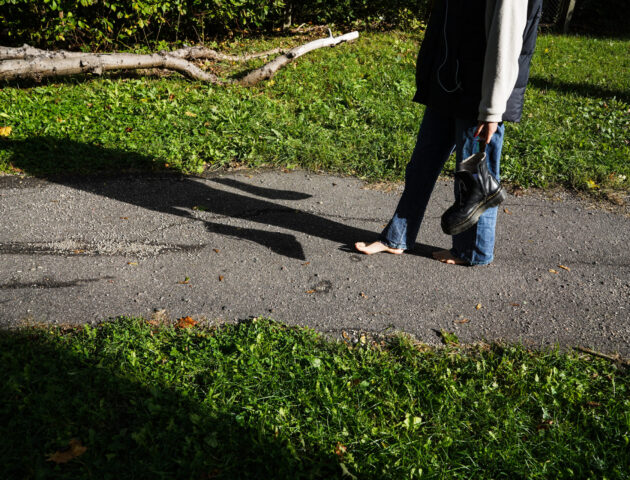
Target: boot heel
<point>499,197</point>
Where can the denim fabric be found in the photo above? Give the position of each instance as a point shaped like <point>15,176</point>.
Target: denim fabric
<point>438,136</point>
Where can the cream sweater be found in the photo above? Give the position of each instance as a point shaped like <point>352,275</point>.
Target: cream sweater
<point>505,25</point>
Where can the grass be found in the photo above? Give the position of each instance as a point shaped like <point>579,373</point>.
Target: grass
<point>345,110</point>
<point>262,400</point>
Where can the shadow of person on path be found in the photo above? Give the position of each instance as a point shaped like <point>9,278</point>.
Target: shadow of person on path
<point>178,195</point>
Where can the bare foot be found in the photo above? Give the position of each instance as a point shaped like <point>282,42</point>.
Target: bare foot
<point>445,256</point>
<point>376,247</point>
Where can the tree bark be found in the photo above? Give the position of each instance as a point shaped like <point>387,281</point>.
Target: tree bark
<point>197,53</point>
<point>32,63</point>
<point>267,71</point>
<point>42,66</point>
<point>189,53</point>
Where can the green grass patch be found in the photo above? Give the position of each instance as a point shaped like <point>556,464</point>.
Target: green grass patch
<point>345,110</point>
<point>262,400</point>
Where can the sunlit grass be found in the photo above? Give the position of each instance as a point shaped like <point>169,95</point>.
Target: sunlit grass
<point>346,110</point>
<point>261,400</point>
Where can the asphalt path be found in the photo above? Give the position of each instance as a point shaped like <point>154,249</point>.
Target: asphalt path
<point>235,245</point>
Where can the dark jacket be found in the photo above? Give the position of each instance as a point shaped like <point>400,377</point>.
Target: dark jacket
<point>450,64</point>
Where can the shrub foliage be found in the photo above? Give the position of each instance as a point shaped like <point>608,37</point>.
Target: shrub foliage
<point>106,23</point>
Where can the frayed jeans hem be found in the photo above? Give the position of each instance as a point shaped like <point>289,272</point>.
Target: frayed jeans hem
<point>387,243</point>
<point>469,262</point>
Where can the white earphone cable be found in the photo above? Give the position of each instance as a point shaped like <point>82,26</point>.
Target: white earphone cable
<point>458,85</point>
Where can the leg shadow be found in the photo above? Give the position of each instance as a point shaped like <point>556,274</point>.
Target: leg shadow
<point>177,196</point>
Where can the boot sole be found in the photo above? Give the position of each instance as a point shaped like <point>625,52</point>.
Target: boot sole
<point>498,197</point>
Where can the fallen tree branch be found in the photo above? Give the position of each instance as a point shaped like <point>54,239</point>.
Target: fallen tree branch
<point>267,71</point>
<point>614,358</point>
<point>32,63</point>
<point>27,52</point>
<point>203,53</point>
<point>45,66</point>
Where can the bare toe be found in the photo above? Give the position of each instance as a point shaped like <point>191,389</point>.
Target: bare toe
<point>445,256</point>
<point>376,247</point>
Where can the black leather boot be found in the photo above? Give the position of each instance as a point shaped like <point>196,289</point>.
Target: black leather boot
<point>476,195</point>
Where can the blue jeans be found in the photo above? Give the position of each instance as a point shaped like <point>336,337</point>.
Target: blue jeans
<point>438,137</point>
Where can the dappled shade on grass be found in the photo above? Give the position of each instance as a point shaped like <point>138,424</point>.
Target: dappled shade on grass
<point>262,400</point>
<point>57,157</point>
<point>346,110</point>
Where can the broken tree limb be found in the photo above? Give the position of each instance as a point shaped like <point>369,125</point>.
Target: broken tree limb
<point>26,52</point>
<point>615,358</point>
<point>32,63</point>
<point>203,53</point>
<point>44,66</point>
<point>267,71</point>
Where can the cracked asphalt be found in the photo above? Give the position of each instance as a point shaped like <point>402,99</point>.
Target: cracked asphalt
<point>235,245</point>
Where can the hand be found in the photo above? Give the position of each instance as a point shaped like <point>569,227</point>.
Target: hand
<point>485,130</point>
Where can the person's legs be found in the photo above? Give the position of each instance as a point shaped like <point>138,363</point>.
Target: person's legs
<point>476,245</point>
<point>436,140</point>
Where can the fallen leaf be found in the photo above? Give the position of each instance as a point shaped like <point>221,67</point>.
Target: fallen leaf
<point>5,131</point>
<point>75,449</point>
<point>132,263</point>
<point>478,306</point>
<point>171,96</point>
<point>221,277</point>
<point>591,184</point>
<point>551,270</point>
<point>564,268</point>
<point>340,449</point>
<point>186,322</point>
<point>124,218</point>
<point>363,295</point>
<point>507,211</point>
<point>78,251</point>
<point>190,114</point>
<point>128,129</point>
<point>306,263</point>
<point>515,304</point>
<point>216,250</point>
<point>60,120</point>
<point>615,197</point>
<point>311,291</point>
<point>344,334</point>
<point>463,320</point>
